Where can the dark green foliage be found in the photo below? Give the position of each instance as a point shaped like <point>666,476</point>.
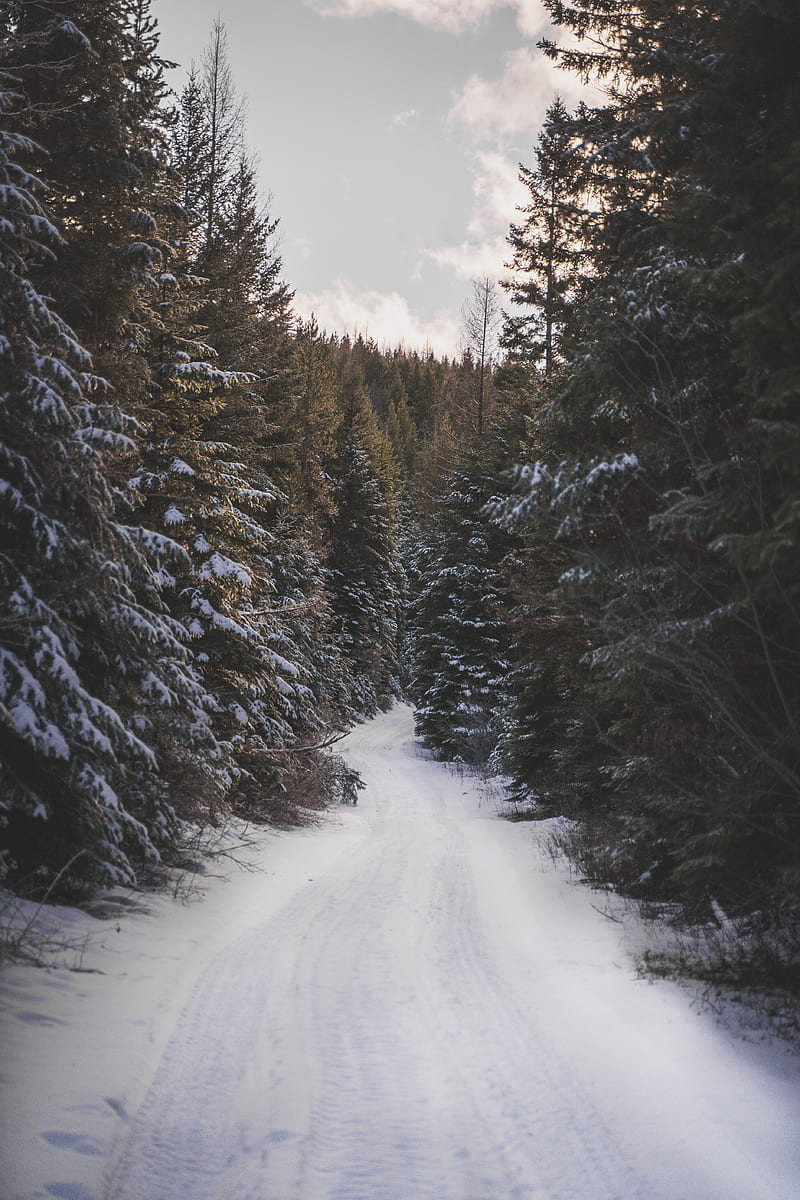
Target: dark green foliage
<point>309,419</point>
<point>547,744</point>
<point>207,465</point>
<point>365,576</point>
<point>200,573</point>
<point>99,114</point>
<point>460,642</point>
<point>548,246</point>
<point>94,678</point>
<point>423,404</point>
<point>667,483</point>
<point>169,646</point>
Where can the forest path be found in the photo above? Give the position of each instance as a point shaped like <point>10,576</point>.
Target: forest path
<point>438,1014</point>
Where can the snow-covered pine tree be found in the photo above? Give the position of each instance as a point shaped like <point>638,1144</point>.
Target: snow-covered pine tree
<point>249,306</point>
<point>735,231</point>
<point>236,382</point>
<point>460,643</point>
<point>127,272</point>
<point>608,458</point>
<point>283,427</point>
<point>548,747</point>
<point>655,454</point>
<point>202,478</point>
<point>366,580</point>
<point>89,671</point>
<point>101,117</point>
<point>320,698</point>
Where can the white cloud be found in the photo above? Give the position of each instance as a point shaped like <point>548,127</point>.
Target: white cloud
<point>517,101</point>
<point>497,192</point>
<point>403,119</point>
<point>473,259</point>
<point>451,15</point>
<point>532,18</point>
<point>383,316</point>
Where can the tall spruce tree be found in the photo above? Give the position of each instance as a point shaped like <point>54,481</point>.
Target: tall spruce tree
<point>366,581</point>
<point>549,243</point>
<point>206,470</point>
<point>310,419</point>
<point>460,641</point>
<point>94,674</point>
<point>101,116</point>
<point>655,484</point>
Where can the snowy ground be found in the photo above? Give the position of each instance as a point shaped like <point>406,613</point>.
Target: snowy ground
<point>406,1003</point>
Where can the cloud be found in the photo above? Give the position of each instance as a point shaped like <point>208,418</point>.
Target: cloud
<point>517,101</point>
<point>473,259</point>
<point>497,192</point>
<point>383,316</point>
<point>403,119</point>
<point>451,15</point>
<point>532,18</point>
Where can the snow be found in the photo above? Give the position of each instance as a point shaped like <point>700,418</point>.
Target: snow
<point>283,664</point>
<point>619,463</point>
<point>222,567</point>
<point>203,606</point>
<point>179,467</point>
<point>406,1002</point>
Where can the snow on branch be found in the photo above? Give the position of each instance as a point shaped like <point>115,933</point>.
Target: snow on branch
<point>566,495</point>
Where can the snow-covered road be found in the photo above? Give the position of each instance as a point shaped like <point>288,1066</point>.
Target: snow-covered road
<point>412,1005</point>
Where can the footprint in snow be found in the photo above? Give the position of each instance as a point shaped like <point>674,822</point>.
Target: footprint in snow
<point>70,1191</point>
<point>73,1141</point>
<point>35,1018</point>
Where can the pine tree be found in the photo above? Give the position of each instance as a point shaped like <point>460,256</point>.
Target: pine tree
<point>310,421</point>
<point>94,675</point>
<point>303,630</point>
<point>654,485</point>
<point>743,167</point>
<point>460,641</point>
<point>365,576</point>
<point>101,116</point>
<point>248,308</point>
<point>216,412</point>
<point>402,433</point>
<point>190,152</point>
<point>224,113</point>
<point>548,245</point>
<point>203,476</point>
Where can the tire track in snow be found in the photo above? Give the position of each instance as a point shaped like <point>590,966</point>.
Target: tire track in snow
<point>383,1037</point>
<point>386,1123</point>
<point>553,1138</point>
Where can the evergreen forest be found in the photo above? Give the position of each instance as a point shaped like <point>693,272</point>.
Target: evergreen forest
<point>226,534</point>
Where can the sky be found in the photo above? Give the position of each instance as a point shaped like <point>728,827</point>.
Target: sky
<point>389,135</point>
